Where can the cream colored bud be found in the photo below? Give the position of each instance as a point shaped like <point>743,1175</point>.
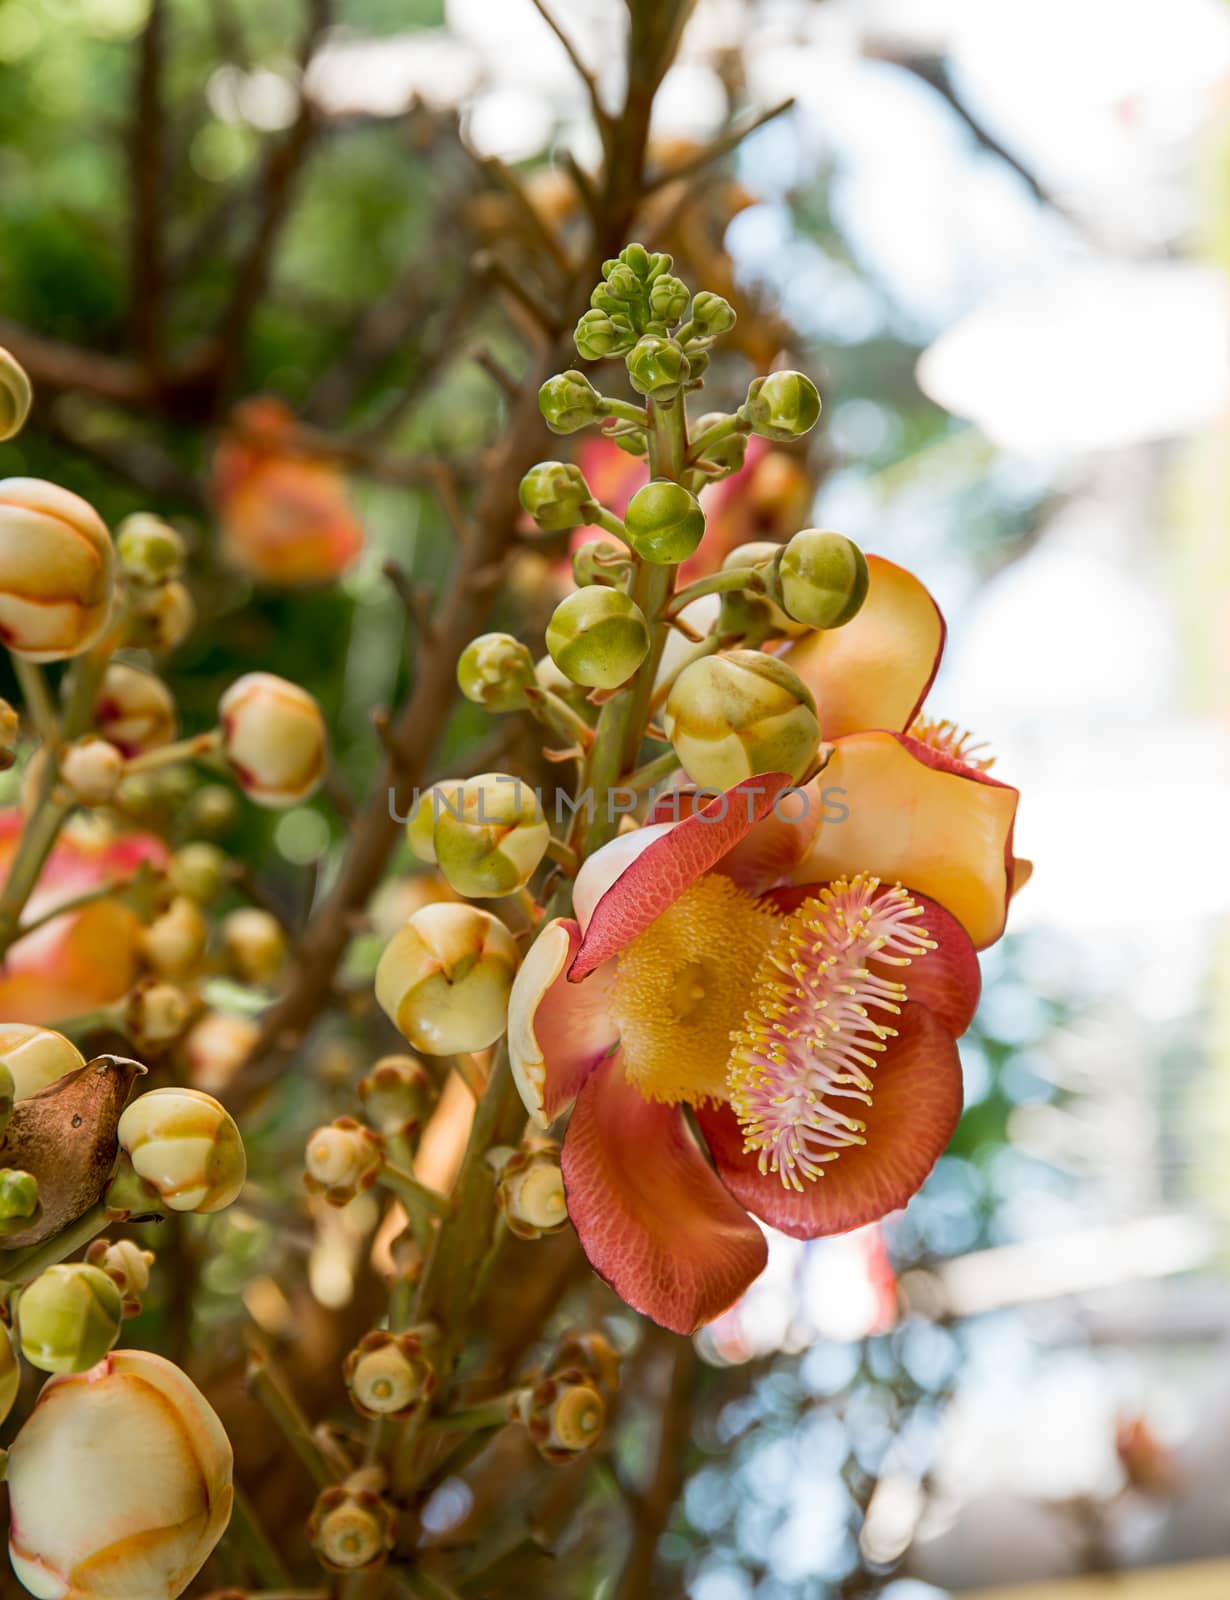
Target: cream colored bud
<point>397,1094</point>
<point>91,769</point>
<point>216,1047</point>
<point>36,1057</point>
<point>127,1265</point>
<point>199,871</point>
<point>445,977</point>
<point>149,549</point>
<point>213,808</point>
<point>134,710</point>
<point>564,1416</point>
<point>137,1453</point>
<point>156,1014</point>
<point>342,1160</point>
<point>732,716</point>
<point>186,1146</point>
<point>10,728</point>
<point>490,834</point>
<point>351,1527</point>
<point>390,1375</point>
<point>174,943</point>
<point>10,1372</point>
<point>16,396</point>
<point>531,1191</point>
<point>254,943</point>
<point>69,1317</point>
<point>161,618</point>
<point>57,571</point>
<point>274,739</point>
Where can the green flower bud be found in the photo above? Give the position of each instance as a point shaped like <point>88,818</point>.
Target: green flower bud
<point>555,494</point>
<point>664,522</point>
<point>569,401</point>
<point>782,406</point>
<point>712,315</point>
<point>623,283</point>
<point>631,441</point>
<point>397,1095</point>
<point>753,616</point>
<point>490,835</point>
<point>18,1195</point>
<point>69,1318</point>
<point>668,298</point>
<point>727,452</point>
<point>494,671</point>
<point>421,828</point>
<point>601,333</point>
<point>445,977</point>
<point>15,396</point>
<point>597,561</point>
<point>198,870</point>
<point>10,1373</point>
<point>822,578</point>
<point>657,367</point>
<point>598,637</point>
<point>149,549</point>
<point>732,716</point>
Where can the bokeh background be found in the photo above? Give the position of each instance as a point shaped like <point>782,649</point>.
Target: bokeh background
<point>999,235</point>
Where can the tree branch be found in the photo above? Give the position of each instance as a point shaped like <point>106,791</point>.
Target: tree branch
<point>147,174</point>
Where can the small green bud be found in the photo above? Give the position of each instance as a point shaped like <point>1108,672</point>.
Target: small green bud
<point>15,396</point>
<point>727,452</point>
<point>494,671</point>
<point>569,401</point>
<point>597,561</point>
<point>642,263</point>
<point>10,1373</point>
<point>751,615</point>
<point>18,1195</point>
<point>69,1318</point>
<point>603,333</point>
<point>732,716</point>
<point>657,367</point>
<point>490,835</point>
<point>421,828</point>
<point>712,315</point>
<point>623,283</point>
<point>554,493</point>
<point>822,578</point>
<point>445,977</point>
<point>598,637</point>
<point>664,522</point>
<point>8,1091</point>
<point>397,1095</point>
<point>668,298</point>
<point>783,406</point>
<point>199,870</point>
<point>149,549</point>
<point>631,441</point>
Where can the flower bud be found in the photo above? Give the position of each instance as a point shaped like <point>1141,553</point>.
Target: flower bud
<point>18,1198</point>
<point>16,396</point>
<point>212,809</point>
<point>603,333</point>
<point>134,710</point>
<point>598,561</point>
<point>127,1265</point>
<point>732,716</point>
<point>495,670</point>
<point>149,549</point>
<point>598,637</point>
<point>530,1191</point>
<point>548,676</point>
<point>10,1372</point>
<point>668,299</point>
<point>216,1047</point>
<point>822,578</point>
<point>782,406</point>
<point>91,769</point>
<point>622,283</point>
<point>751,615</point>
<point>421,828</point>
<point>57,571</point>
<point>563,1416</point>
<point>186,1146</point>
<point>134,1448</point>
<point>569,401</point>
<point>254,943</point>
<point>162,617</point>
<point>351,1527</point>
<point>657,367</point>
<point>390,1375</point>
<point>36,1057</point>
<point>155,1015</point>
<point>198,870</point>
<point>726,453</point>
<point>555,494</point>
<point>69,1318</point>
<point>10,727</point>
<point>342,1159</point>
<point>712,315</point>
<point>174,943</point>
<point>591,1356</point>
<point>397,1094</point>
<point>445,977</point>
<point>490,835</point>
<point>273,736</point>
<point>664,522</point>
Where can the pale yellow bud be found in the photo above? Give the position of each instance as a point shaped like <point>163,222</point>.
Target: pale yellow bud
<point>57,571</point>
<point>186,1146</point>
<point>274,739</point>
<point>351,1527</point>
<point>254,943</point>
<point>390,1375</point>
<point>91,769</point>
<point>445,977</point>
<point>134,710</point>
<point>155,1015</point>
<point>137,1453</point>
<point>36,1057</point>
<point>16,396</point>
<point>162,617</point>
<point>10,1372</point>
<point>564,1416</point>
<point>490,834</point>
<point>733,716</point>
<point>69,1318</point>
<point>174,943</point>
<point>342,1159</point>
<point>531,1191</point>
<point>127,1265</point>
<point>198,870</point>
<point>216,1047</point>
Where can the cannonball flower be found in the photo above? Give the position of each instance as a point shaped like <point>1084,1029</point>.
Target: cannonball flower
<point>137,1452</point>
<point>284,518</point>
<point>57,570</point>
<point>273,737</point>
<point>186,1146</point>
<point>86,958</point>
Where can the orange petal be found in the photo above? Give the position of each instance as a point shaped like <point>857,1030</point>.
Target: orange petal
<point>916,1105</point>
<point>876,671</point>
<point>557,1030</point>
<point>651,1214</point>
<point>918,819</point>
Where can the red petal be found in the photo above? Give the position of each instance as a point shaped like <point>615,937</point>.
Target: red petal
<point>556,1030</point>
<point>651,1214</point>
<point>916,1107</point>
<point>668,866</point>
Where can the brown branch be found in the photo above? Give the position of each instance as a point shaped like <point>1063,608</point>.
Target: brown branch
<point>147,175</point>
<point>56,366</point>
<point>719,148</point>
<point>538,228</point>
<point>492,267</point>
<point>651,1508</point>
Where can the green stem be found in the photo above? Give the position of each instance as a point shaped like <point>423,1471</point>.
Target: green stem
<point>715,434</point>
<point>600,517</point>
<point>255,1545</point>
<point>718,583</point>
<point>558,715</point>
<point>707,647</point>
<point>38,838</point>
<point>415,1196</point>
<point>106,891</point>
<point>494,1413</point>
<point>284,1410</point>
<point>648,776</point>
<point>20,1267</point>
<point>626,411</point>
<point>168,755</point>
<point>37,696</point>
